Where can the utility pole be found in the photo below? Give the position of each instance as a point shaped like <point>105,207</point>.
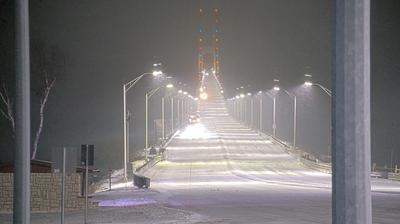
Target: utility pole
<point>351,140</point>
<point>22,162</point>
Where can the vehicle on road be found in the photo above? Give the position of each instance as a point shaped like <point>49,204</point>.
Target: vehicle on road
<point>194,119</point>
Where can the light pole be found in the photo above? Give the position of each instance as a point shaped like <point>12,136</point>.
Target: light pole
<point>149,94</point>
<point>252,112</point>
<point>162,119</point>
<point>22,163</point>
<point>237,97</point>
<point>128,119</point>
<point>245,110</point>
<point>261,111</point>
<point>242,108</point>
<point>125,88</point>
<point>234,107</point>
<point>185,110</point>
<point>178,111</point>
<point>273,111</point>
<point>294,113</point>
<point>172,114</point>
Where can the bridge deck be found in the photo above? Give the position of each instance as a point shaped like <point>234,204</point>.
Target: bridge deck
<point>226,171</point>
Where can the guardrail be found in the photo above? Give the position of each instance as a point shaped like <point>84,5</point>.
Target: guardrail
<point>315,164</point>
<point>141,166</point>
<point>394,176</point>
<point>146,165</point>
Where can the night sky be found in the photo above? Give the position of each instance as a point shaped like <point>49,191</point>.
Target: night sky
<point>106,43</point>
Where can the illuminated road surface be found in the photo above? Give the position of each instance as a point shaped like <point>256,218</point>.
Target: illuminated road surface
<point>231,174</point>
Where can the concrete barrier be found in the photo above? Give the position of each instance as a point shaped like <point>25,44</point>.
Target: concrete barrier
<point>141,181</point>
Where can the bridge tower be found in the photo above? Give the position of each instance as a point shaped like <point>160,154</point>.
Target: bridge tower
<point>208,43</point>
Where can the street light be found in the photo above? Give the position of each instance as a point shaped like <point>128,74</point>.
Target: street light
<point>168,86</point>
<point>308,83</point>
<point>251,111</point>
<point>125,88</point>
<point>149,94</point>
<point>273,113</point>
<point>261,111</point>
<point>157,73</point>
<point>294,114</point>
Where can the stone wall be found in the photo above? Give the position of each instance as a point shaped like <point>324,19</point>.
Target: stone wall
<point>45,192</point>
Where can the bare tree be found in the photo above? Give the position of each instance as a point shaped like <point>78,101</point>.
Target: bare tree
<point>47,62</point>
<point>8,102</point>
<point>48,85</point>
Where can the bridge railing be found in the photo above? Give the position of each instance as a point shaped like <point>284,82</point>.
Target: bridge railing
<point>245,109</point>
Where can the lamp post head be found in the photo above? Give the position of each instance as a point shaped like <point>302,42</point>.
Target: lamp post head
<point>157,73</point>
<point>308,83</point>
<point>276,86</point>
<point>308,75</point>
<point>308,79</point>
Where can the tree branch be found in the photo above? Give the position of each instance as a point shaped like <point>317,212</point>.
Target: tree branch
<point>9,106</point>
<point>43,101</point>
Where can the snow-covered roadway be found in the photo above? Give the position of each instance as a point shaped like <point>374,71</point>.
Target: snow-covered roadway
<point>231,174</point>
